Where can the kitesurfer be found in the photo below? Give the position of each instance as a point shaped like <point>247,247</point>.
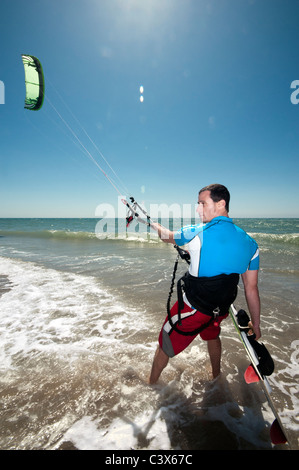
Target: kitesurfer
<point>219,252</point>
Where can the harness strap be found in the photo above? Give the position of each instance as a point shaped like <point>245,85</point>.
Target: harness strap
<point>181,302</point>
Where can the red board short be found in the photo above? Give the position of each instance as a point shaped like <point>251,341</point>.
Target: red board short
<point>173,342</point>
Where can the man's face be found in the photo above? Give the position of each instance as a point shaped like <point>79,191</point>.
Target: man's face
<point>207,208</point>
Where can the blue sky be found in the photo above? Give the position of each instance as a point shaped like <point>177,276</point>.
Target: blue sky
<point>217,80</point>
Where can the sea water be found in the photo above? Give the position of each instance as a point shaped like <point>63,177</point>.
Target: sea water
<point>80,313</point>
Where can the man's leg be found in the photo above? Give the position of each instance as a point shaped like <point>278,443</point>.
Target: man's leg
<point>214,348</point>
<point>159,363</point>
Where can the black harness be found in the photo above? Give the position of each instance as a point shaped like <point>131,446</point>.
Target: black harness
<point>209,295</point>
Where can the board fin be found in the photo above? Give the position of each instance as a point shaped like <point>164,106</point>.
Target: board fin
<point>250,375</point>
<point>276,433</point>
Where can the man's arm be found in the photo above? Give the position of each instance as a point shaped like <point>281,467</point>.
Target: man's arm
<point>166,235</point>
<point>250,281</point>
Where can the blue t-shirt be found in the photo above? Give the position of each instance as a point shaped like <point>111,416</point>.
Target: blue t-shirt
<point>218,247</point>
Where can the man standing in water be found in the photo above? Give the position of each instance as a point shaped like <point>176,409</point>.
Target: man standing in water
<point>219,252</point>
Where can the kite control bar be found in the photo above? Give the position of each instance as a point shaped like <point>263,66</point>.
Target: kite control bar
<point>132,212</point>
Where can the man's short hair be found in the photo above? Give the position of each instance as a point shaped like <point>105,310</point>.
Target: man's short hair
<point>218,192</point>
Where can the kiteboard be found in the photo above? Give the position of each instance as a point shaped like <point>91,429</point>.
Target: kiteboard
<point>261,367</point>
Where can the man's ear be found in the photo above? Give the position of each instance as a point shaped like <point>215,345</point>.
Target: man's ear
<point>221,204</point>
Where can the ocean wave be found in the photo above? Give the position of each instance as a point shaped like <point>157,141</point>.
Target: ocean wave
<point>274,238</point>
<point>82,235</point>
<point>58,311</point>
<point>59,234</point>
<point>262,238</point>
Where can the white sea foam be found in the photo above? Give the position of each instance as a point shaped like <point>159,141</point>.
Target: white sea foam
<point>48,310</point>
